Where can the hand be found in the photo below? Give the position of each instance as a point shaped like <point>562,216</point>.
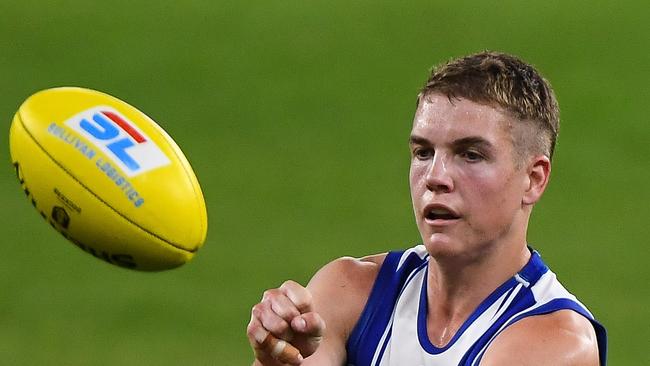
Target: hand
<point>284,329</point>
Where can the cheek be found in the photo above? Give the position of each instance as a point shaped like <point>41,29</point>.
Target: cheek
<point>495,191</point>
<point>416,174</point>
<point>417,186</point>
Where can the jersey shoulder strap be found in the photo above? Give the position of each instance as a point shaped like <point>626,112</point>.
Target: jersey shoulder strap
<point>396,270</point>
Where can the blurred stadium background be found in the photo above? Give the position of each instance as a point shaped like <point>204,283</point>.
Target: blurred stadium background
<point>295,115</point>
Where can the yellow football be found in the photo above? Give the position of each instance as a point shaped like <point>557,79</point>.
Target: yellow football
<point>108,178</point>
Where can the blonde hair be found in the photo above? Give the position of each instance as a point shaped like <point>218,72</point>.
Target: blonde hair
<point>507,82</point>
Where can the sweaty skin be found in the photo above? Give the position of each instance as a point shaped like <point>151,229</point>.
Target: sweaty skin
<point>472,202</point>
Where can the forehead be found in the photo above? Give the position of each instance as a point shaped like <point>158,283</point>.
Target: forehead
<point>438,119</point>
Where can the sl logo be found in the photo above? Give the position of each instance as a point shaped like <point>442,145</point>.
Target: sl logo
<point>103,127</point>
<point>133,151</point>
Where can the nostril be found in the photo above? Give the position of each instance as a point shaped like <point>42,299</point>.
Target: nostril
<point>439,187</point>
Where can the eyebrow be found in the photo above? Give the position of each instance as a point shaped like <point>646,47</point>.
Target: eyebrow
<point>417,140</point>
<point>463,142</point>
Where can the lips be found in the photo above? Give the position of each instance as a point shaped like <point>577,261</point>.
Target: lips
<point>438,213</point>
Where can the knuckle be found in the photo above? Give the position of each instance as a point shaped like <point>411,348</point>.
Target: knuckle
<point>304,301</point>
<point>257,310</point>
<point>316,321</point>
<point>270,294</point>
<point>251,322</point>
<point>316,318</point>
<point>289,283</point>
<point>280,328</point>
<point>266,294</point>
<point>250,329</point>
<point>299,295</point>
<point>286,314</point>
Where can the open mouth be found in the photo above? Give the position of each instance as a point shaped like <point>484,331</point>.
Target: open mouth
<point>435,212</point>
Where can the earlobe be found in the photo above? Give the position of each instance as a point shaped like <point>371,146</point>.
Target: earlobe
<point>539,172</point>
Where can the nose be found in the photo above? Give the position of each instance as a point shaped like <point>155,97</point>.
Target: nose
<point>438,178</point>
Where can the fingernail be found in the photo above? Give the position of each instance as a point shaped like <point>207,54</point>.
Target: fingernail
<point>260,335</point>
<point>301,325</point>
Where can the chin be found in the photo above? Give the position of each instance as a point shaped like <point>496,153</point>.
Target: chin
<point>438,244</point>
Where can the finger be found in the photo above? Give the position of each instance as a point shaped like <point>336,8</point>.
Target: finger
<point>300,296</point>
<point>267,346</point>
<point>271,321</point>
<point>310,324</point>
<point>281,350</point>
<point>281,304</point>
<point>256,332</point>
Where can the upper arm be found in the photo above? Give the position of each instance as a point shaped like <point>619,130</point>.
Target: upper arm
<point>562,338</point>
<point>339,291</point>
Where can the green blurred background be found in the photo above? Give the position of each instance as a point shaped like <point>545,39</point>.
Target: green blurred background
<point>295,116</point>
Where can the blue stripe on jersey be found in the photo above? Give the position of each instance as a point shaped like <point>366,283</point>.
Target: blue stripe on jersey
<point>523,300</point>
<point>373,332</point>
<point>505,299</point>
<point>425,342</point>
<point>534,269</point>
<point>563,304</point>
<point>379,308</point>
<point>383,348</point>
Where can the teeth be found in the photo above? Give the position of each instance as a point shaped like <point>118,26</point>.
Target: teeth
<point>439,211</point>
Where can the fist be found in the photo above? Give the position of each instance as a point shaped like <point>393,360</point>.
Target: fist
<point>284,329</point>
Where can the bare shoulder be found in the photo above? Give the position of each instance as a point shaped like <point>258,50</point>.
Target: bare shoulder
<point>348,270</point>
<point>560,338</point>
<point>339,293</point>
<point>341,288</point>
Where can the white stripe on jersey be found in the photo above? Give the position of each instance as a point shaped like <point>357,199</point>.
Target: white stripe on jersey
<point>403,348</point>
<point>403,340</point>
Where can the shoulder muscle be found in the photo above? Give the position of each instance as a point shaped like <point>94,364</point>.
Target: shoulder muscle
<point>342,287</point>
<point>340,290</point>
<point>560,338</point>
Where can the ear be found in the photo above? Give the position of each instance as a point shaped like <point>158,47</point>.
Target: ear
<point>539,172</point>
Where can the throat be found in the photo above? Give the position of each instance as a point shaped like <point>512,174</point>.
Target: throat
<point>440,333</point>
<point>448,309</point>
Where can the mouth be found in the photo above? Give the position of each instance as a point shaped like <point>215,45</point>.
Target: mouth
<point>436,214</point>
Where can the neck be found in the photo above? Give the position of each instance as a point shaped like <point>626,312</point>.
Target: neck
<point>457,286</point>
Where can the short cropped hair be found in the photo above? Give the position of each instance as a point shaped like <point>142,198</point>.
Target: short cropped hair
<point>507,82</point>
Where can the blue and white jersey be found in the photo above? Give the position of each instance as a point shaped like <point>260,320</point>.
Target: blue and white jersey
<point>392,329</point>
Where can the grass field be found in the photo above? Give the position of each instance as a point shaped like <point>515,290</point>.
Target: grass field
<point>295,116</point>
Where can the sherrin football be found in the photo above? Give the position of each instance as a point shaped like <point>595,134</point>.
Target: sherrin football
<point>108,178</point>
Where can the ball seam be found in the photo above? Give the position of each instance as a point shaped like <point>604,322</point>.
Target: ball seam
<point>170,243</point>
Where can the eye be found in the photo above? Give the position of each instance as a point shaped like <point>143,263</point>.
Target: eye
<point>472,156</point>
<point>422,153</point>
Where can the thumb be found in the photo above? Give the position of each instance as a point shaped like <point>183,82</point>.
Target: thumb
<point>308,332</point>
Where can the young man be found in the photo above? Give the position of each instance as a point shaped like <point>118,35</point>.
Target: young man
<point>473,293</point>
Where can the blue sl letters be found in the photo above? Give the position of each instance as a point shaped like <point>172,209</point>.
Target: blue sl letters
<point>103,129</point>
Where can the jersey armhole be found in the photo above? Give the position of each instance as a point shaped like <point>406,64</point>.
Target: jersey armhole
<point>556,305</point>
<point>379,296</point>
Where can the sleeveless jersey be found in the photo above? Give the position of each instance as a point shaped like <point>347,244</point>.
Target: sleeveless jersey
<point>392,330</point>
